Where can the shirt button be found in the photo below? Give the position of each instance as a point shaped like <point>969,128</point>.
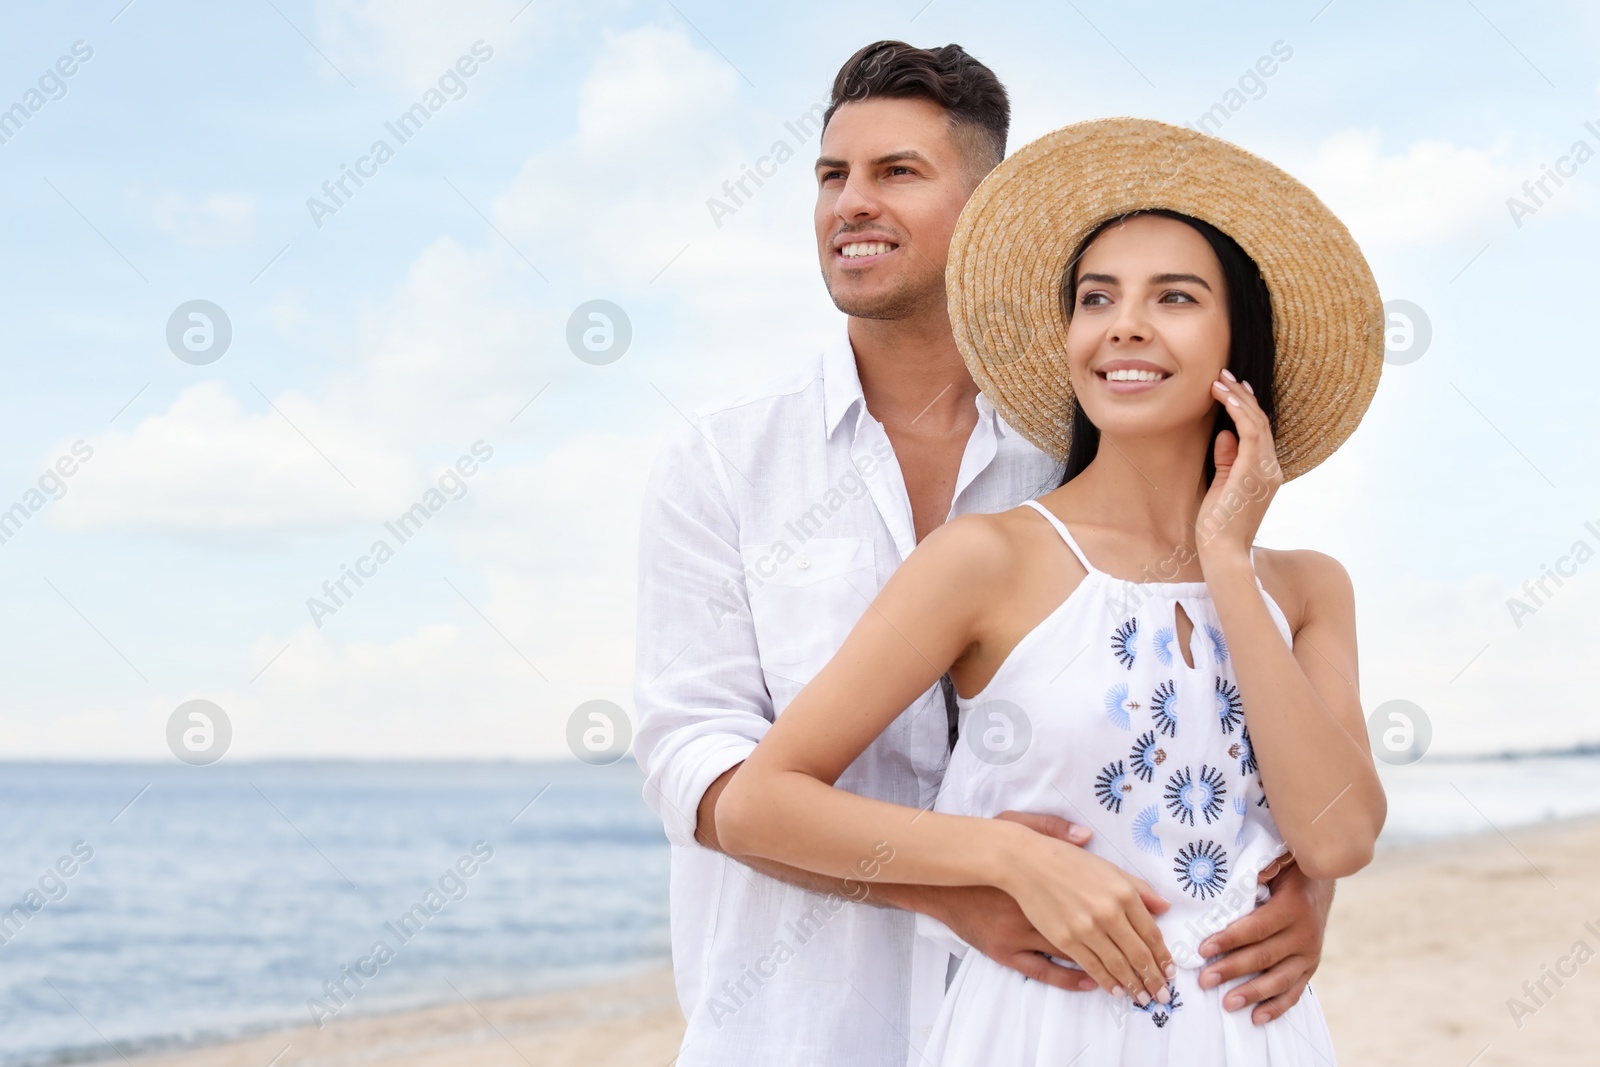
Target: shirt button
<point>802,562</point>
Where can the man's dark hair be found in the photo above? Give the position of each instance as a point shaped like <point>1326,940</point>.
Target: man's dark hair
<point>980,112</point>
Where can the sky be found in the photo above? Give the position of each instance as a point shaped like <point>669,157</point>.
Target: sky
<point>386,338</point>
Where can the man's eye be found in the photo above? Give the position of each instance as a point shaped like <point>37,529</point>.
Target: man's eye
<point>831,174</point>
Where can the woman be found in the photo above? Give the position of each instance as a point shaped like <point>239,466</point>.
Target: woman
<point>1117,646</point>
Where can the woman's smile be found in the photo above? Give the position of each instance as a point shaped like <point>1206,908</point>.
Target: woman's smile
<point>1131,376</point>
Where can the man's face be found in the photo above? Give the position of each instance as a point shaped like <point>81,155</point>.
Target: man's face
<point>890,185</point>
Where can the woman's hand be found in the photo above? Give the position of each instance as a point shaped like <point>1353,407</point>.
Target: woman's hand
<point>1248,475</point>
<point>1094,913</point>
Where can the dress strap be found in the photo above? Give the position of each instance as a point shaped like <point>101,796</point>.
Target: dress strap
<point>1066,535</point>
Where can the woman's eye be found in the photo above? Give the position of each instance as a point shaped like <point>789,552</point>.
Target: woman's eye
<point>1093,300</point>
<point>1176,296</point>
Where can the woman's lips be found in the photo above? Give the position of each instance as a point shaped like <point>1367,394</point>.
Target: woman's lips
<point>1129,387</point>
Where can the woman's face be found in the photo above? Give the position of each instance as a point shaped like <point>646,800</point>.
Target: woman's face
<point>1150,298</point>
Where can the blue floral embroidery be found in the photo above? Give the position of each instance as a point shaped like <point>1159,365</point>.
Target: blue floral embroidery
<point>1202,869</point>
<point>1187,794</point>
<point>1165,641</point>
<point>1219,644</point>
<point>1123,644</point>
<point>1230,709</point>
<point>1243,751</point>
<point>1146,757</point>
<point>1161,709</point>
<point>1239,806</point>
<point>1118,706</point>
<point>1160,1013</point>
<point>1144,830</point>
<point>1111,785</point>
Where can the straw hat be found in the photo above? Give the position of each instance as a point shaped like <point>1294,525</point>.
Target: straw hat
<point>1027,218</point>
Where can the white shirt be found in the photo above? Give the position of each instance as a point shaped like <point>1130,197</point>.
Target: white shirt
<point>765,534</point>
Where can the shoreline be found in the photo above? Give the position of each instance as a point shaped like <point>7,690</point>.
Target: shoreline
<point>575,1026</point>
<point>1427,951</point>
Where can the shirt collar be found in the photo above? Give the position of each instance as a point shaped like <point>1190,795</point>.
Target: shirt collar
<point>841,389</point>
<point>987,412</point>
<point>841,382</point>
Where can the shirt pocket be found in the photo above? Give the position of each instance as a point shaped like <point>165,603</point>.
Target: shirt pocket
<point>804,601</point>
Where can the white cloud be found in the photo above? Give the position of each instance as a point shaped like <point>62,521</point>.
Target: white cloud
<point>1430,193</point>
<point>220,219</point>
<point>457,348</point>
<point>661,129</point>
<point>443,362</point>
<point>654,138</point>
<point>408,44</point>
<point>649,87</point>
<point>555,544</point>
<point>206,464</point>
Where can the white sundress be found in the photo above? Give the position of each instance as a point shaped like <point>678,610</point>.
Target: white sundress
<point>1096,717</point>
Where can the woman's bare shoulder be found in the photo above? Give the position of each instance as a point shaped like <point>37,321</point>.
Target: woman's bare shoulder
<point>1298,578</point>
<point>990,542</point>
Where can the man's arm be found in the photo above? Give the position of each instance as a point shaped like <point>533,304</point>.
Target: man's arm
<point>701,697</point>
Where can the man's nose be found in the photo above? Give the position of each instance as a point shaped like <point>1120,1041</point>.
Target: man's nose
<point>854,202</point>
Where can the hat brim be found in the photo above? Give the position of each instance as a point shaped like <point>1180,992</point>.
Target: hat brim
<point>1022,224</point>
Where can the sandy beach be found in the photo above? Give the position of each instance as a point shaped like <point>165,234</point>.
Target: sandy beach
<point>1428,953</point>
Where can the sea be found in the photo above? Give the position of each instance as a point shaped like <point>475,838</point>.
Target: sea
<point>163,905</point>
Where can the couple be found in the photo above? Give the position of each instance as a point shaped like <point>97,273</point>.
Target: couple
<point>1001,800</point>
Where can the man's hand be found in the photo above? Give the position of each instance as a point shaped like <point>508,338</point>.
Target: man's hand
<point>992,922</point>
<point>1282,939</point>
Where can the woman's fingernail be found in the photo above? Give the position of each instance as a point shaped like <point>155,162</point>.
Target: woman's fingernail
<point>1143,998</point>
<point>1118,991</point>
<point>1234,401</point>
<point>1220,385</point>
<point>1228,374</point>
<point>1248,389</point>
<point>1171,969</point>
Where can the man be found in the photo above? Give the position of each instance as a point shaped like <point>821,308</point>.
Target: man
<point>767,532</point>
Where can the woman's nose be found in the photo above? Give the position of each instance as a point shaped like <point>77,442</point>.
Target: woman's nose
<point>1129,327</point>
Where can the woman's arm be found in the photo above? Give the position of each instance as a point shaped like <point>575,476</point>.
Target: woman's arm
<point>781,803</point>
<point>1303,707</point>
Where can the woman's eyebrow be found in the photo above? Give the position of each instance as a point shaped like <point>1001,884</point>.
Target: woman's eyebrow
<point>1167,279</point>
<point>1155,279</point>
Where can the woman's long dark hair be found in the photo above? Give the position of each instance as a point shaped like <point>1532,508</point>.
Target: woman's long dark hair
<point>1251,349</point>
